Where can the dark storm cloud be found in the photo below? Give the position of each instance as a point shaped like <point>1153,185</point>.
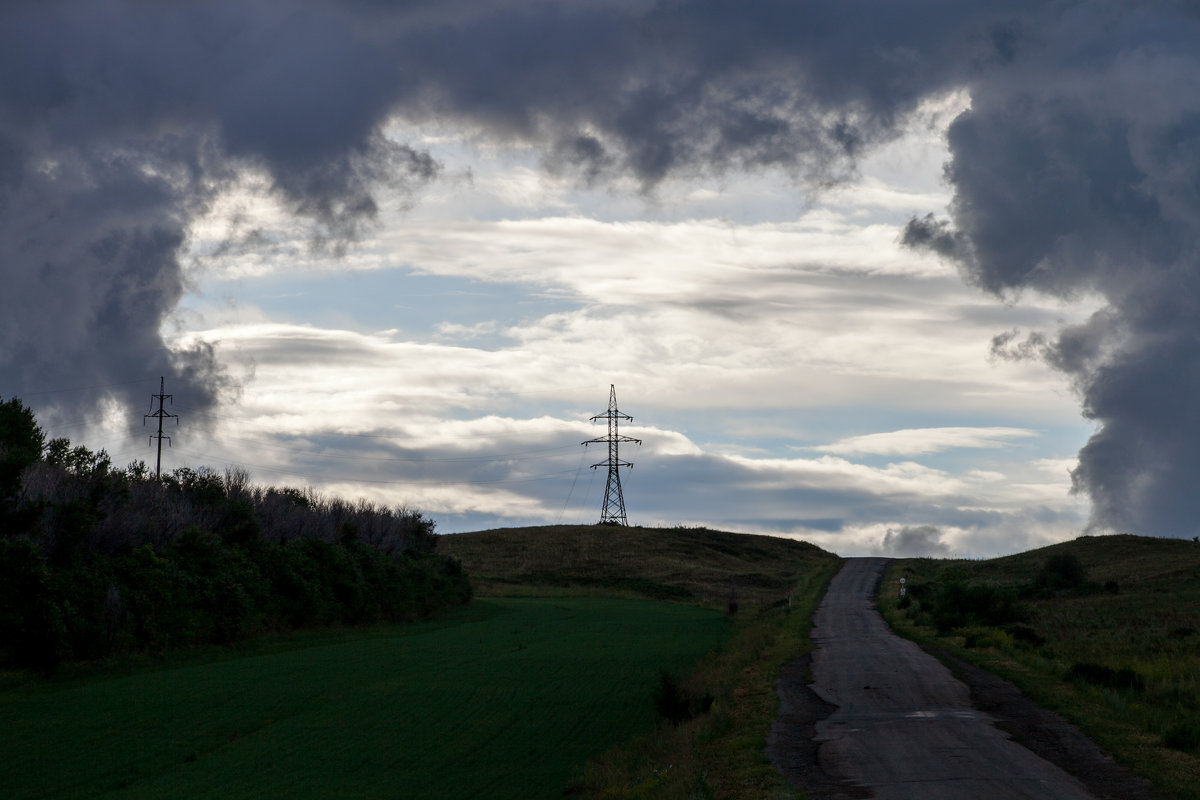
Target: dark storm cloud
<point>118,124</point>
<point>121,121</point>
<point>1077,169</point>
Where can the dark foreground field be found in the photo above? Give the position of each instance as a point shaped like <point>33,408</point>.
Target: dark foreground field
<point>524,696</point>
<point>504,699</point>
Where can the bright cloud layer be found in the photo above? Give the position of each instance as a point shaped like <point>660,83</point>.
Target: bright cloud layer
<point>452,363</point>
<point>417,283</point>
<point>922,441</point>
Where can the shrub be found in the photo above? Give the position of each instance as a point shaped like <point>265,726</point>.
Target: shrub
<point>676,704</point>
<point>1061,571</point>
<point>987,637</point>
<point>1023,634</point>
<point>96,560</point>
<point>1107,677</point>
<point>1184,736</point>
<point>32,631</point>
<point>961,605</point>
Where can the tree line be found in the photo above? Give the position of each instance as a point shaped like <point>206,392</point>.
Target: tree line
<point>97,560</point>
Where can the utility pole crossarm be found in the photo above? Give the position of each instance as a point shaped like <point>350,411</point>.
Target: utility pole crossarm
<point>613,510</point>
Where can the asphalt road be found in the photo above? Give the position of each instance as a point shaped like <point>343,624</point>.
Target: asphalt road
<point>904,726</point>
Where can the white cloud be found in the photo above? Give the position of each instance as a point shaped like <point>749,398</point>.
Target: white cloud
<point>922,441</point>
<point>744,324</point>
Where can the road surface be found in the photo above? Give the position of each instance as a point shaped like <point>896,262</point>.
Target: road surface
<point>904,726</point>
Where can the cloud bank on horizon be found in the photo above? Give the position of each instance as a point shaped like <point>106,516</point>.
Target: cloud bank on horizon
<point>1074,172</point>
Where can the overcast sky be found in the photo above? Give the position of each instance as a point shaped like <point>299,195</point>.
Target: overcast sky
<point>900,278</point>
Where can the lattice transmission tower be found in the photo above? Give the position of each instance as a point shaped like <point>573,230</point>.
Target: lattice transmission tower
<point>613,510</point>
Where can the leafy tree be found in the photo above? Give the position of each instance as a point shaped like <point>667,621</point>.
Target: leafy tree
<point>78,460</point>
<point>21,443</point>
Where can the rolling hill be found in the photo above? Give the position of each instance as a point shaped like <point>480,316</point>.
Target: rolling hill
<point>693,565</point>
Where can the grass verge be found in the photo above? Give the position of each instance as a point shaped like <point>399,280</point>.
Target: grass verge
<point>1101,630</point>
<point>721,753</point>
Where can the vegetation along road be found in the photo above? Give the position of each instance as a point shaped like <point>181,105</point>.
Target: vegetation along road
<point>904,726</point>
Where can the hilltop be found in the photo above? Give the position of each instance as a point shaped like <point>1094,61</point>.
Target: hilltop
<point>695,565</point>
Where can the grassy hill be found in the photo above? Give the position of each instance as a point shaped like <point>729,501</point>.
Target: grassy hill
<point>719,752</point>
<point>694,565</point>
<point>1103,629</point>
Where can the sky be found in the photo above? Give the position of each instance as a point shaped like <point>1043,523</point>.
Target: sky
<point>904,278</point>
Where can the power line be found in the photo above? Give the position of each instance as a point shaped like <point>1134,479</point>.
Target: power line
<point>389,436</point>
<point>571,491</point>
<point>80,388</point>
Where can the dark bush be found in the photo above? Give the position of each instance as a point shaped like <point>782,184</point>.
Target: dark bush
<point>92,605</point>
<point>239,525</point>
<point>32,630</point>
<point>1099,675</point>
<point>1061,571</point>
<point>1184,736</point>
<point>96,561</point>
<point>1023,634</point>
<point>960,605</point>
<point>295,585</point>
<point>919,591</point>
<point>675,703</point>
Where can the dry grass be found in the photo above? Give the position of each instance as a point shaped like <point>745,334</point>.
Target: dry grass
<point>685,564</point>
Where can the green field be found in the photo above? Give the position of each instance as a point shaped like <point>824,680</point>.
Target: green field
<point>769,586</point>
<point>506,698</point>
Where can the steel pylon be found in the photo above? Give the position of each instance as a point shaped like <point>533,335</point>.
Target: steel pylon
<point>612,512</point>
